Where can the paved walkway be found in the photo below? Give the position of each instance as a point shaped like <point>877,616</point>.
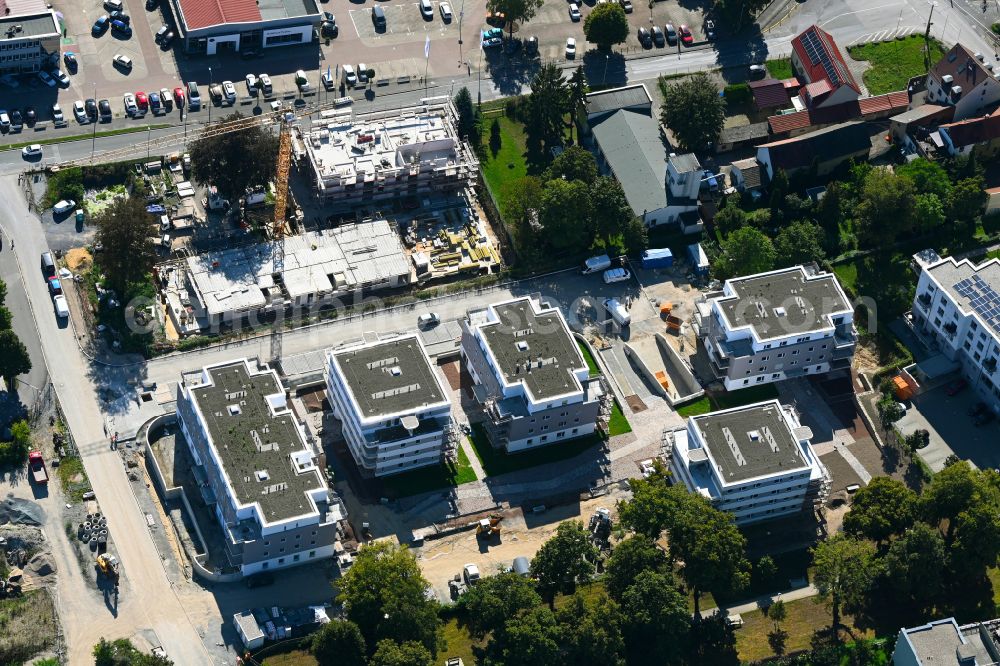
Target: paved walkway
<point>765,601</point>
<point>477,466</point>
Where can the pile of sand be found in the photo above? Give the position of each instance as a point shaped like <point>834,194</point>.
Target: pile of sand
<point>78,260</point>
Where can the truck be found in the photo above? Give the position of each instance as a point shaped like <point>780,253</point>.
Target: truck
<point>657,258</point>
<point>596,264</point>
<point>37,466</point>
<point>617,312</point>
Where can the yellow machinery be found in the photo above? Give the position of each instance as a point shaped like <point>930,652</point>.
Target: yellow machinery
<point>489,527</point>
<point>108,564</point>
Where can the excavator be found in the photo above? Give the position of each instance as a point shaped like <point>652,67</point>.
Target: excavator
<point>489,527</point>
<point>108,564</point>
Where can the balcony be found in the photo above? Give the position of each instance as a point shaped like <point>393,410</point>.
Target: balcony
<point>924,301</point>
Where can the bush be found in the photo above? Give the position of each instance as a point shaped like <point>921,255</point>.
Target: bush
<point>65,184</point>
<point>737,94</point>
<point>995,28</point>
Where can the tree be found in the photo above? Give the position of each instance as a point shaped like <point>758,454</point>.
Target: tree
<point>915,566</point>
<point>606,25</point>
<point>468,116</point>
<point>889,411</point>
<point>546,104</point>
<point>522,200</point>
<point>629,559</point>
<point>128,255</point>
<point>799,243</point>
<point>765,570</point>
<point>591,632</point>
<point>735,13</point>
<point>562,561</point>
<point>744,252</point>
<point>121,652</point>
<point>410,653</point>
<point>651,504</point>
<point>576,92</point>
<point>6,318</point>
<point>564,211</point>
<point>881,509</point>
<point>949,493</point>
<point>530,638</point>
<point>928,177</point>
<point>339,643</point>
<point>844,570</point>
<point>730,218</point>
<point>693,111</point>
<point>237,160</point>
<point>635,238</point>
<point>3,292</point>
<point>976,536</point>
<point>574,163</point>
<point>777,637</point>
<point>967,200</point>
<point>14,358</point>
<point>610,212</point>
<point>886,208</point>
<point>384,593</point>
<point>928,212</point>
<point>515,11</point>
<point>656,620</point>
<point>495,599</point>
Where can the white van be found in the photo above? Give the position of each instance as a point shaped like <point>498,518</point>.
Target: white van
<point>617,312</point>
<point>596,264</point>
<point>616,275</point>
<point>62,308</point>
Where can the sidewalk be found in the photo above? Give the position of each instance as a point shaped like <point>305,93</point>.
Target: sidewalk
<point>764,601</point>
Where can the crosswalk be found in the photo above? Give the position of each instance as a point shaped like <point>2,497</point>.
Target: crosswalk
<point>883,35</point>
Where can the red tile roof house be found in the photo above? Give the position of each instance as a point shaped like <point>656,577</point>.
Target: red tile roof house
<point>961,79</point>
<point>981,135</point>
<point>817,60</point>
<point>211,26</point>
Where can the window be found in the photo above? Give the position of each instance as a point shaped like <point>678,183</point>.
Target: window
<point>795,353</point>
<point>760,379</point>
<point>764,358</point>
<point>782,354</point>
<point>312,553</point>
<point>295,558</point>
<point>775,375</point>
<point>575,430</point>
<point>281,560</point>
<point>745,382</point>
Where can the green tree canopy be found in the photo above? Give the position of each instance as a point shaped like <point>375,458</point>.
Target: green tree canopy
<point>236,160</point>
<point>915,567</point>
<point>651,504</point>
<point>6,318</point>
<point>3,292</point>
<point>384,593</point>
<point>515,11</point>
<point>844,571</point>
<point>574,163</point>
<point>492,601</point>
<point>881,509</point>
<point>564,211</point>
<point>976,536</point>
<point>591,632</point>
<point>339,643</point>
<point>545,106</point>
<point>967,200</point>
<point>410,653</point>
<point>610,212</point>
<point>14,358</point>
<point>744,252</point>
<point>531,638</point>
<point>951,491</point>
<point>928,177</point>
<point>656,619</point>
<point>928,212</point>
<point>886,208</point>
<point>562,561</point>
<point>630,558</point>
<point>468,116</point>
<point>693,111</point>
<point>606,25</point>
<point>121,652</point>
<point>799,243</point>
<point>123,230</point>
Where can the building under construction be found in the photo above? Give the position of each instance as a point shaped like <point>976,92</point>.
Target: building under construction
<point>357,160</point>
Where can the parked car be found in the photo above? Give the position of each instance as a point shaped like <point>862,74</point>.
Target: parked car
<point>128,101</point>
<point>4,120</point>
<point>671,33</point>
<point>362,73</point>
<point>657,33</point>
<point>104,109</point>
<point>179,97</point>
<point>327,80</point>
<point>574,12</point>
<point>164,29</point>
<point>645,39</point>
<point>122,62</point>
<point>426,9</point>
<point>46,78</point>
<point>114,5</point>
<point>141,100</point>
<point>570,47</point>
<point>194,97</point>
<point>80,111</point>
<point>492,37</point>
<point>976,409</point>
<point>301,80</point>
<point>101,25</point>
<point>122,28</point>
<point>613,275</point>
<point>956,387</point>
<point>445,10</point>
<point>62,78</point>
<point>758,71</point>
<point>329,30</point>
<point>120,16</point>
<point>167,40</point>
<point>62,307</point>
<point>30,116</point>
<point>165,99</point>
<point>229,90</point>
<point>32,151</point>
<point>686,37</point>
<point>626,5</point>
<point>428,319</point>
<point>154,102</point>
<point>57,114</point>
<point>16,120</point>
<point>259,580</point>
<point>70,59</point>
<point>251,80</point>
<point>265,83</point>
<point>470,572</point>
<point>349,76</point>
<point>378,17</point>
<point>63,206</point>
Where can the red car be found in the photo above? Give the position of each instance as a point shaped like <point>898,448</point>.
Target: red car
<point>141,100</point>
<point>956,386</point>
<point>179,96</point>
<point>686,37</point>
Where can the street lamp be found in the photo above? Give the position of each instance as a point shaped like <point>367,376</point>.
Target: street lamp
<point>209,95</point>
<point>93,139</point>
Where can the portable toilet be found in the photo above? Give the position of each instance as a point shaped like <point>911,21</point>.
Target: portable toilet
<point>698,258</point>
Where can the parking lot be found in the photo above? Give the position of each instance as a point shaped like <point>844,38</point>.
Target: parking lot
<point>951,429</point>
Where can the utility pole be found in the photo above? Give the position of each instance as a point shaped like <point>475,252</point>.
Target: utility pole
<point>209,95</point>
<point>93,138</point>
<point>927,34</point>
<point>461,15</point>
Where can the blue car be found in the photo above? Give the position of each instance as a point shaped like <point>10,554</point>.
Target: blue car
<point>156,209</point>
<point>101,24</point>
<point>122,28</point>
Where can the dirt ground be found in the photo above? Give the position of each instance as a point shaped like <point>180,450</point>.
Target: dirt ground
<point>78,259</point>
<point>441,559</point>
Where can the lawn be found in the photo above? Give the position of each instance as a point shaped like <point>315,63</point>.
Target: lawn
<point>589,358</point>
<point>459,643</point>
<point>495,462</point>
<point>505,163</point>
<point>780,68</point>
<point>27,626</point>
<point>432,478</point>
<point>804,617</point>
<point>618,424</point>
<point>293,658</point>
<point>712,402</point>
<point>73,478</point>
<point>895,62</point>
<point>993,254</point>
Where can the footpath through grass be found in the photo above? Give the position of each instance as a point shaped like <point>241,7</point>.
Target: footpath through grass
<point>895,62</point>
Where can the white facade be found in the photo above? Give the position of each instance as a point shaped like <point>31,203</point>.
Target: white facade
<point>390,442</point>
<point>959,332</point>
<point>797,479</point>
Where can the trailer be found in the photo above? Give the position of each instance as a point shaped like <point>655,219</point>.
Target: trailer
<point>37,465</point>
<point>658,258</point>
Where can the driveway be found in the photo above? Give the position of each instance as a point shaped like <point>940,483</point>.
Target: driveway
<point>951,429</point>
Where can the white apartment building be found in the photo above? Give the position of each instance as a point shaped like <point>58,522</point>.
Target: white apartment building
<point>530,378</point>
<point>957,304</point>
<point>777,325</point>
<point>255,468</point>
<point>395,411</point>
<point>30,35</point>
<point>754,462</point>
